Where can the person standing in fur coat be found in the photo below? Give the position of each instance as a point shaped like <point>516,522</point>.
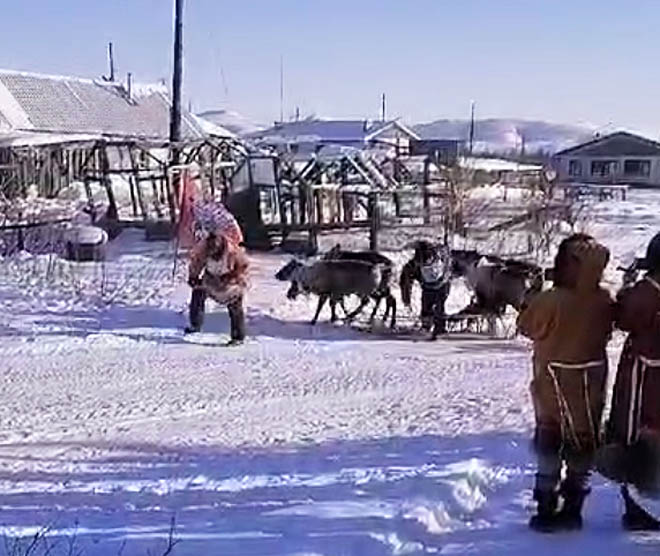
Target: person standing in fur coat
<point>570,325</point>
<point>218,267</point>
<point>632,455</point>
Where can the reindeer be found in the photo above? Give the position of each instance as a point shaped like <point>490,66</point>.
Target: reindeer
<point>497,283</point>
<point>383,292</point>
<point>331,281</point>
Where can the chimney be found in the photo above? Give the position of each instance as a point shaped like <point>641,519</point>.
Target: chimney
<point>111,62</point>
<point>129,85</point>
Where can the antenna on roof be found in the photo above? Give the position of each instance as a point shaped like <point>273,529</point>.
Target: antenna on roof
<point>382,108</point>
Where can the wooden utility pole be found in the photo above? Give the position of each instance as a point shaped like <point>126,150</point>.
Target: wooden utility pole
<point>471,142</point>
<point>175,118</point>
<point>281,89</point>
<point>177,77</point>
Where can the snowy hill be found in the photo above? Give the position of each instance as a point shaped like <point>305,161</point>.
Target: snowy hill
<point>233,121</point>
<point>502,135</point>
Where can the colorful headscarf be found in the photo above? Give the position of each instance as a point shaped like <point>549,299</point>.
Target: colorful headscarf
<point>211,217</point>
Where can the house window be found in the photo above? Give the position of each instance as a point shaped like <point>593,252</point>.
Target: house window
<point>604,168</point>
<point>638,168</point>
<point>574,167</point>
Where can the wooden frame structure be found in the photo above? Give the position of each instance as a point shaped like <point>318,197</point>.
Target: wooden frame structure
<point>277,199</point>
<point>347,192</point>
<point>143,165</point>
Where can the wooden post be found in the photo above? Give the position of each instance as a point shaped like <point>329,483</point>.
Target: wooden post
<point>427,204</point>
<point>343,176</point>
<point>156,195</point>
<point>43,169</point>
<point>132,183</point>
<point>284,228</point>
<point>212,161</point>
<point>55,167</point>
<point>374,223</point>
<point>319,198</point>
<point>171,193</point>
<point>313,240</point>
<point>69,171</point>
<point>302,204</point>
<point>132,187</point>
<point>113,212</point>
<point>90,198</point>
<point>397,203</point>
<point>313,229</point>
<point>136,182</point>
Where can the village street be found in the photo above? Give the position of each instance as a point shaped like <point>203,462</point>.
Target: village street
<point>322,440</point>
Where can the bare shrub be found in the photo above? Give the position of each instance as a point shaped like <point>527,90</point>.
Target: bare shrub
<point>44,543</point>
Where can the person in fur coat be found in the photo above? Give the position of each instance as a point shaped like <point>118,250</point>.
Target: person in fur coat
<point>632,455</point>
<point>218,269</point>
<point>570,325</point>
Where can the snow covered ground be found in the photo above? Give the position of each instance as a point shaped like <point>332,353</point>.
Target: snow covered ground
<point>316,441</point>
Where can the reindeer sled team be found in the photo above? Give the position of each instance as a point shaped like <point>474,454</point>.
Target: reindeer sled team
<point>569,324</point>
<point>497,283</point>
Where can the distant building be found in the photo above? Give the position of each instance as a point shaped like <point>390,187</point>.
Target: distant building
<point>619,158</point>
<point>311,135</point>
<point>446,151</point>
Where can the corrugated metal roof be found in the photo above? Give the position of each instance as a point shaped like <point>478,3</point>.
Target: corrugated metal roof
<point>335,131</point>
<point>72,105</point>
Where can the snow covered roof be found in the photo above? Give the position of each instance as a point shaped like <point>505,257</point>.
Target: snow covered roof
<point>32,139</point>
<point>232,121</point>
<point>497,165</point>
<point>330,131</point>
<point>213,129</point>
<point>620,143</point>
<point>56,104</point>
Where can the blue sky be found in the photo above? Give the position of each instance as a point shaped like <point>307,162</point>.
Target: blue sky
<point>564,61</point>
